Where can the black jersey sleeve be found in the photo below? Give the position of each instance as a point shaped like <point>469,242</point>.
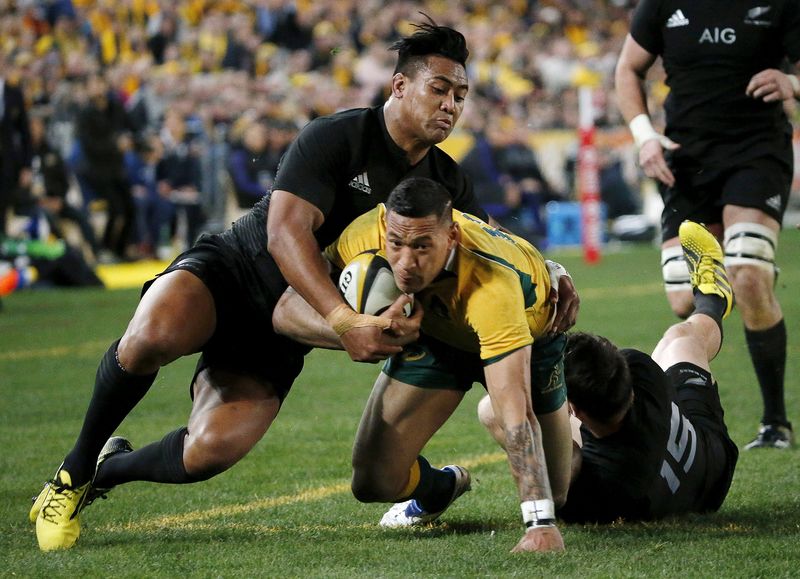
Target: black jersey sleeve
<point>646,27</point>
<point>791,30</point>
<point>466,201</point>
<point>313,164</point>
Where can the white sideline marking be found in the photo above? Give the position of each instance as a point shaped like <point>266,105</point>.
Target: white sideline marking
<point>194,519</point>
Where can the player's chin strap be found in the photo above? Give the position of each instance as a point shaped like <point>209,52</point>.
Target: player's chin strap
<point>343,319</point>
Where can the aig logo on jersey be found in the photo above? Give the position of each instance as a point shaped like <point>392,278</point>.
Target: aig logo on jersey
<point>718,35</point>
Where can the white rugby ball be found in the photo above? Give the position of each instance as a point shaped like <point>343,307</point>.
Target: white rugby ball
<point>367,284</point>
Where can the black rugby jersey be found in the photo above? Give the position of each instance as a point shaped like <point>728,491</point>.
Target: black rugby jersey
<point>710,50</point>
<point>346,164</point>
<point>658,463</point>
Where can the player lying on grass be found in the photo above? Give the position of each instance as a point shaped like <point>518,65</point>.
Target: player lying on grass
<point>654,439</point>
<point>487,319</point>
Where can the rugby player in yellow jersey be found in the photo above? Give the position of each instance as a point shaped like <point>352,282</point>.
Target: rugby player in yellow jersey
<point>486,319</point>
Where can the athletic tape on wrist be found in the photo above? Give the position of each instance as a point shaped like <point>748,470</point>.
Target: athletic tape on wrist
<point>538,513</point>
<point>343,319</point>
<point>795,82</point>
<point>642,130</point>
<point>556,271</point>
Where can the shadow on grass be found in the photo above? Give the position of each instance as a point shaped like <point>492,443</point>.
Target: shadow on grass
<point>745,521</point>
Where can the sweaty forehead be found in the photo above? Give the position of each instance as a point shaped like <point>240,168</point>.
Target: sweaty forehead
<point>412,227</point>
<point>446,69</point>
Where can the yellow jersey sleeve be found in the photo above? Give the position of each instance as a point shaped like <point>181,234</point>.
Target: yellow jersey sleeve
<point>495,310</point>
<point>366,232</point>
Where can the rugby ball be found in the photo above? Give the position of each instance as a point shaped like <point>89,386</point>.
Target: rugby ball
<point>367,284</point>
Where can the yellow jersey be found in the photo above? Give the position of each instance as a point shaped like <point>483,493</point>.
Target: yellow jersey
<point>490,299</point>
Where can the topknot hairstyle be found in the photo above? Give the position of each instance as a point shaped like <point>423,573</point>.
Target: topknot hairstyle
<point>429,39</point>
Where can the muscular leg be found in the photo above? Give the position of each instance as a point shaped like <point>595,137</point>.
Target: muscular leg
<point>174,318</point>
<point>398,421</point>
<point>556,441</point>
<point>230,414</point>
<point>696,340</point>
<point>765,330</point>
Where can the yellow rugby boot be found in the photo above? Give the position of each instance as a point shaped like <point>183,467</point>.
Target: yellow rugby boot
<point>704,257</point>
<point>38,501</point>
<point>57,522</point>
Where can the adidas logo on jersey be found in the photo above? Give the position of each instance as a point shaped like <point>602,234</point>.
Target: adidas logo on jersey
<point>677,19</point>
<point>754,16</point>
<point>361,182</point>
<point>774,202</point>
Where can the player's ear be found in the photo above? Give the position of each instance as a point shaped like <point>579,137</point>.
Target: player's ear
<point>454,235</point>
<point>398,85</point>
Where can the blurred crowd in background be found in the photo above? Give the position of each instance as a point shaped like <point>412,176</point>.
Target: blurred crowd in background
<point>152,121</point>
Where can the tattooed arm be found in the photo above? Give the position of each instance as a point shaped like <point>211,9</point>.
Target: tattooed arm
<point>509,384</point>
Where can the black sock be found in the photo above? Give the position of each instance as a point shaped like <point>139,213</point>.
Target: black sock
<point>768,352</point>
<point>116,392</point>
<point>435,488</point>
<point>160,461</point>
<point>711,305</point>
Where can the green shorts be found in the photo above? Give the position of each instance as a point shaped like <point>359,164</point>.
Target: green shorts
<point>430,363</point>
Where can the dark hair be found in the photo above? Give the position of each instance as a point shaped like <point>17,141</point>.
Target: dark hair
<point>420,197</point>
<point>597,376</point>
<point>427,40</point>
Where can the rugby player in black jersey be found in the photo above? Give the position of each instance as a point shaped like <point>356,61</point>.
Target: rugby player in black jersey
<point>654,442</point>
<point>725,158</point>
<point>217,298</point>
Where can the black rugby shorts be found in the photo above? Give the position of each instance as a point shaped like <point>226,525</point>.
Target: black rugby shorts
<point>700,194</point>
<point>245,290</point>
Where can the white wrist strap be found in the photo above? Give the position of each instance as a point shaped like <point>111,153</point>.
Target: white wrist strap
<point>538,513</point>
<point>642,130</point>
<point>556,272</point>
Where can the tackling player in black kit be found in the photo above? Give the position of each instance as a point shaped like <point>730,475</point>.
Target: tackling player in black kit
<point>654,438</point>
<point>218,297</point>
<point>726,156</point>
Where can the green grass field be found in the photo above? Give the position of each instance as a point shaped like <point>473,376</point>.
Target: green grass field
<point>286,510</point>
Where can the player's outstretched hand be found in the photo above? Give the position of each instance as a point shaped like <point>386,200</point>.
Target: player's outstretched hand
<point>540,540</point>
<point>652,161</point>
<point>770,85</point>
<point>404,330</point>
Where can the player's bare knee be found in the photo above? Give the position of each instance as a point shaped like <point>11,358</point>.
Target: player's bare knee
<point>750,261</point>
<point>681,303</point>
<point>675,332</point>
<point>208,453</point>
<point>751,285</point>
<point>147,347</point>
